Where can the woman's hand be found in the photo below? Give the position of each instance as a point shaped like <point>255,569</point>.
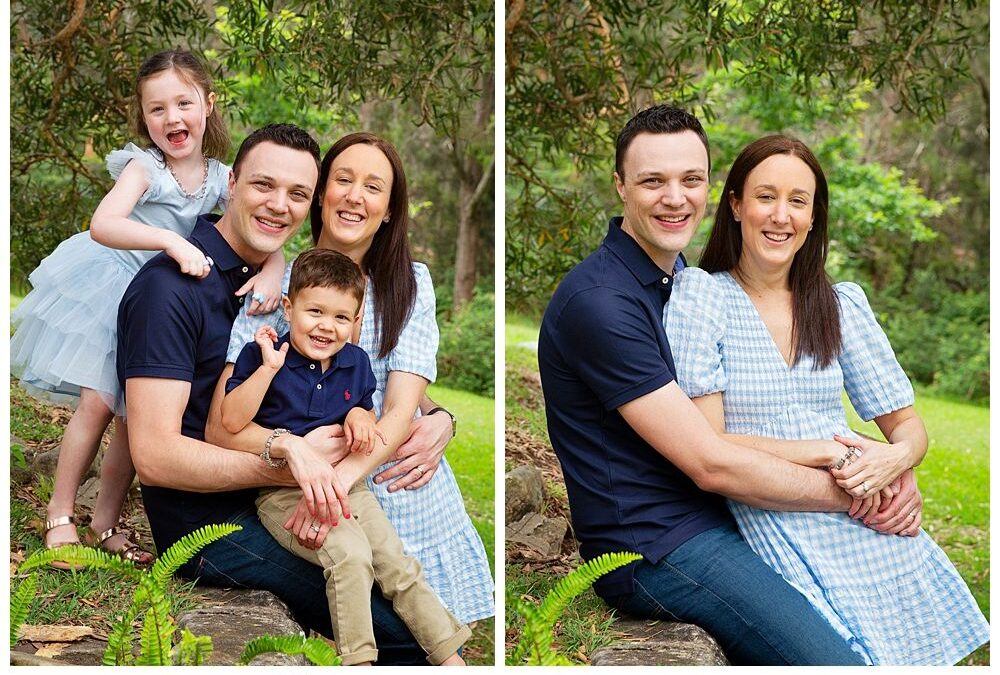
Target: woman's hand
<point>329,442</point>
<point>265,337</point>
<point>864,509</point>
<point>420,454</point>
<point>322,490</point>
<point>880,464</point>
<point>191,259</point>
<point>903,516</point>
<point>310,532</point>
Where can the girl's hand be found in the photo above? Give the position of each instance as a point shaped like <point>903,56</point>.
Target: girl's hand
<point>191,259</point>
<point>265,337</point>
<point>420,454</point>
<point>880,464</point>
<point>265,287</point>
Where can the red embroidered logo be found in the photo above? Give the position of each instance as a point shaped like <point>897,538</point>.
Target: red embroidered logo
<point>347,395</point>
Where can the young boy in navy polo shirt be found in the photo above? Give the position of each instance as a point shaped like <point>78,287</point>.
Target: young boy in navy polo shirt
<point>311,377</point>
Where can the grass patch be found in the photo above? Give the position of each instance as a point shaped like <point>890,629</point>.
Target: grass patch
<point>470,455</point>
<point>954,481</point>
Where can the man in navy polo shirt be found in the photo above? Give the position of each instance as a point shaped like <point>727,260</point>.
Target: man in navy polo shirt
<point>173,331</point>
<point>644,470</point>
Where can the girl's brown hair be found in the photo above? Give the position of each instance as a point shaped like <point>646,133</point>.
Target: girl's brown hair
<point>815,311</point>
<point>388,262</point>
<point>216,142</point>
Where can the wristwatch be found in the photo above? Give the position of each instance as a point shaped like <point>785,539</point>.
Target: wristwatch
<point>454,422</point>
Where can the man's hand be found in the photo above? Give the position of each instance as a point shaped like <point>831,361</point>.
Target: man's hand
<point>311,533</point>
<point>420,454</point>
<point>903,514</point>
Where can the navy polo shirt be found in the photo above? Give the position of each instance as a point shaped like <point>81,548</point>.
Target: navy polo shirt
<point>601,346</point>
<point>302,396</point>
<point>174,326</point>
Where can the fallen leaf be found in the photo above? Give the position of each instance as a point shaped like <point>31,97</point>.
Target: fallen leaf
<point>13,570</point>
<point>17,556</point>
<point>52,649</point>
<point>51,633</point>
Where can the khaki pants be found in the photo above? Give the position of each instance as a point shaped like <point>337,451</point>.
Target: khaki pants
<point>358,552</point>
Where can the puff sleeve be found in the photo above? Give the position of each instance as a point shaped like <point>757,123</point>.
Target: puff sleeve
<point>117,160</point>
<point>695,322</point>
<point>873,378</point>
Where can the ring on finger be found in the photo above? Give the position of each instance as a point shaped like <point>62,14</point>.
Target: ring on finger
<point>314,527</point>
<point>864,486</point>
<point>420,468</point>
<point>912,515</point>
<point>258,297</point>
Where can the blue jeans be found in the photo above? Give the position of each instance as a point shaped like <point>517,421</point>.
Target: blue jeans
<point>251,558</point>
<point>716,581</point>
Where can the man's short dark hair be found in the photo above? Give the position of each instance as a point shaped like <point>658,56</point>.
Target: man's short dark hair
<point>286,135</point>
<point>659,119</point>
<point>324,268</point>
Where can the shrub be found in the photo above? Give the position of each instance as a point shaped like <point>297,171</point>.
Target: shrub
<point>465,355</point>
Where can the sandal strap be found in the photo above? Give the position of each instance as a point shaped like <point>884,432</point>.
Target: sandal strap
<point>59,521</point>
<point>130,552</point>
<point>107,534</point>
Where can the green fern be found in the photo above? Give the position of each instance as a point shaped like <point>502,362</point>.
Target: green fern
<point>317,651</point>
<point>119,649</point>
<point>192,650</point>
<point>539,622</point>
<point>76,554</point>
<point>20,602</point>
<point>185,548</point>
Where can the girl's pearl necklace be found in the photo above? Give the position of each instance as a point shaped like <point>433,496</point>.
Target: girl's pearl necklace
<point>197,194</point>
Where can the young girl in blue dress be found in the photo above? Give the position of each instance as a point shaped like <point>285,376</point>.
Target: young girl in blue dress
<point>64,346</point>
<point>764,345</point>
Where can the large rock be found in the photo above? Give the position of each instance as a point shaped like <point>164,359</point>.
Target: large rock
<point>544,535</point>
<point>234,617</point>
<point>660,643</point>
<point>524,491</point>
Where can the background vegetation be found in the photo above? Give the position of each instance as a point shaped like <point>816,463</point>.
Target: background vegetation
<point>893,97</point>
<point>420,74</point>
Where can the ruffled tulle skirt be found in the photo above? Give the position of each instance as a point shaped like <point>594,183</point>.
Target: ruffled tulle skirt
<point>66,327</point>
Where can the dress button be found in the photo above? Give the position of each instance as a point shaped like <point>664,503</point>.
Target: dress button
<point>319,386</point>
<point>246,269</point>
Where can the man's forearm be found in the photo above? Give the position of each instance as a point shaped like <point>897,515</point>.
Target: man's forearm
<point>183,463</point>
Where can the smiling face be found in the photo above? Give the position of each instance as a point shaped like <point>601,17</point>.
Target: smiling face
<point>175,113</point>
<point>356,199</point>
<point>775,213</point>
<point>321,321</point>
<point>664,191</point>
<point>268,200</point>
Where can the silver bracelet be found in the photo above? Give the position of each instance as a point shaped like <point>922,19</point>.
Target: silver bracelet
<point>266,455</point>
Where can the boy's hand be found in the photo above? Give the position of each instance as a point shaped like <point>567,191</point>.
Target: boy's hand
<point>265,337</point>
<point>360,431</point>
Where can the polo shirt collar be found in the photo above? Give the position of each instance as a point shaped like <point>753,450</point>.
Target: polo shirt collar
<point>293,359</point>
<point>214,244</point>
<point>637,260</point>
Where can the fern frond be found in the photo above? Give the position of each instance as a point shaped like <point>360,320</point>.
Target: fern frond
<point>20,602</point>
<point>119,649</point>
<point>317,651</point>
<point>185,548</point>
<point>192,650</point>
<point>158,628</point>
<point>76,554</point>
<point>579,580</point>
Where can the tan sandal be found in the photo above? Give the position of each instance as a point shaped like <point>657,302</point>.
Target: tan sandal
<point>127,551</point>
<point>51,524</point>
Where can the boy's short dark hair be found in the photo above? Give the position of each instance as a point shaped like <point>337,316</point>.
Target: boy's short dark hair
<point>323,268</point>
<point>286,135</point>
<point>659,119</point>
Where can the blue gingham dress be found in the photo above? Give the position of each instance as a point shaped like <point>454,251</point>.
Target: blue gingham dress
<point>431,521</point>
<point>896,600</point>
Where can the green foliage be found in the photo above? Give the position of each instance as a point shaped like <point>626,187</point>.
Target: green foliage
<point>17,456</point>
<point>465,354</point>
<point>192,650</point>
<point>20,602</point>
<point>158,629</point>
<point>317,651</point>
<point>539,622</point>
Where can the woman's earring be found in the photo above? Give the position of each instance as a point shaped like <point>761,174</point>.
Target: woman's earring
<point>386,219</point>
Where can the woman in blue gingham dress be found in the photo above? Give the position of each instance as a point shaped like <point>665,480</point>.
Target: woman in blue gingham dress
<point>431,520</point>
<point>896,599</point>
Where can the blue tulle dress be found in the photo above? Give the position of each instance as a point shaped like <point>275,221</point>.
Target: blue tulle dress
<point>66,326</point>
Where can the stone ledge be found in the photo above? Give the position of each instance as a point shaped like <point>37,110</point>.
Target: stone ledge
<point>660,643</point>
